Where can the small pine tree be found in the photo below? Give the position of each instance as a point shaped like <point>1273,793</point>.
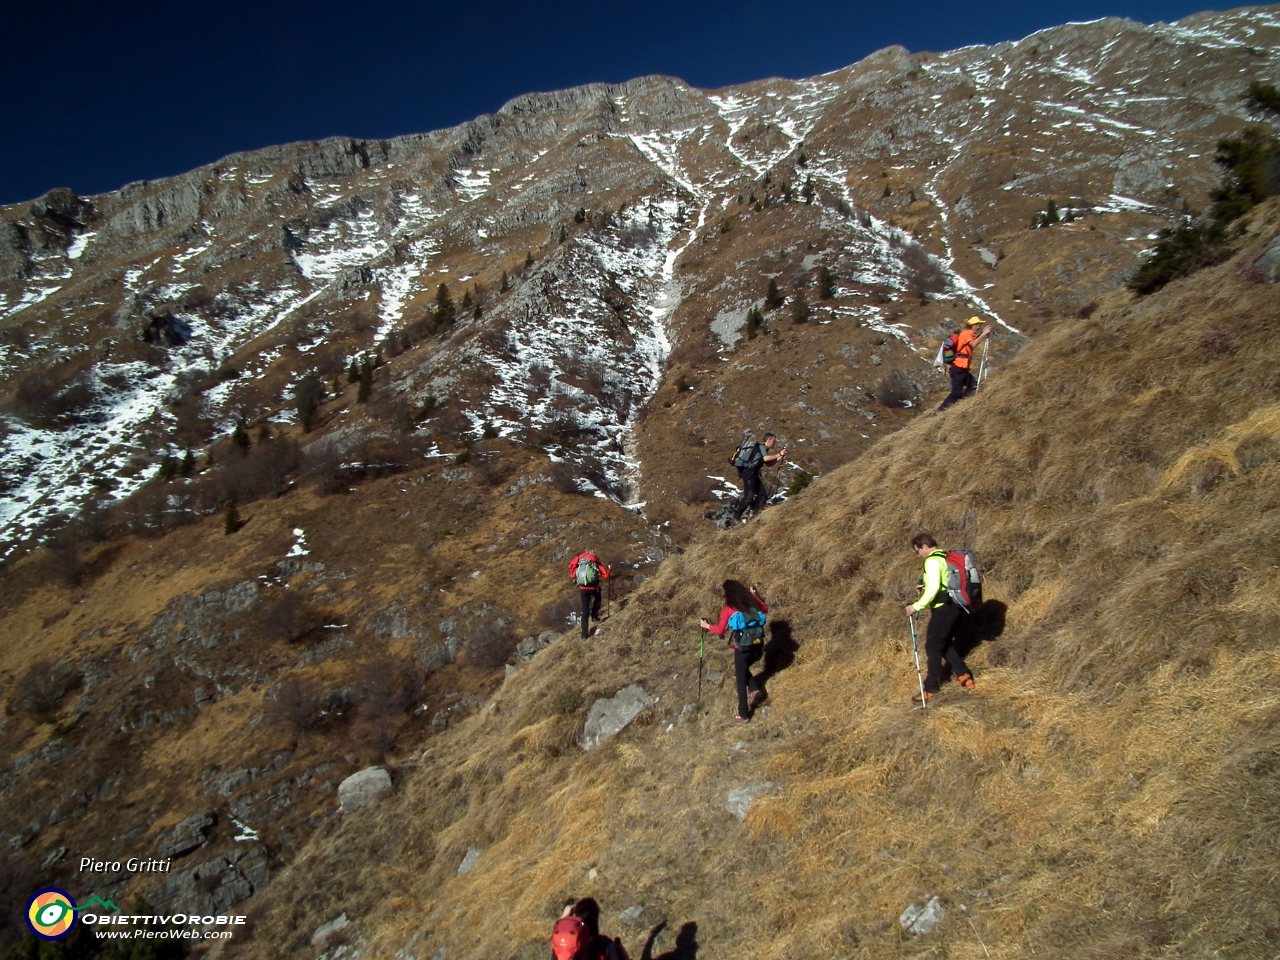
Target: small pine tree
<point>208,460</point>
<point>802,160</point>
<point>528,260</point>
<point>826,284</point>
<point>168,468</point>
<point>887,191</point>
<point>366,383</point>
<point>231,521</point>
<point>478,312</point>
<point>240,437</point>
<point>1051,213</point>
<point>445,312</point>
<point>353,372</point>
<point>466,300</point>
<point>800,308</point>
<point>773,298</point>
<point>505,285</point>
<point>188,463</point>
<point>264,433</point>
<point>1263,98</point>
<point>755,322</point>
<point>580,216</point>
<point>807,192</point>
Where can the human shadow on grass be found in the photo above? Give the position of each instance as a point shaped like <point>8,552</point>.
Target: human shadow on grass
<point>985,625</point>
<point>686,947</point>
<point>779,653</point>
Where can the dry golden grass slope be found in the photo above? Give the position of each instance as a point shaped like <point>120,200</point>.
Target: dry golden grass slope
<point>1111,789</point>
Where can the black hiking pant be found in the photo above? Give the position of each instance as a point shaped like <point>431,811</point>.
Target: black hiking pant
<point>940,642</point>
<point>962,384</point>
<point>752,491</point>
<point>743,658</point>
<point>590,607</point>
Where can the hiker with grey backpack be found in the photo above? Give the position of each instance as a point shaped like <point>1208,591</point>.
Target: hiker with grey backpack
<point>589,573</point>
<point>742,621</point>
<point>951,589</point>
<point>750,459</point>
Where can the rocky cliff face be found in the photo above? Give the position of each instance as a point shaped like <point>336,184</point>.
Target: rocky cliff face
<point>654,215</point>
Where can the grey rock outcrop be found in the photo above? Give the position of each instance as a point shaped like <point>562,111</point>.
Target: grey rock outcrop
<point>611,715</point>
<point>326,933</point>
<point>217,884</point>
<point>740,800</point>
<point>920,919</point>
<point>188,835</point>
<point>363,788</point>
<point>1267,266</point>
<point>469,861</point>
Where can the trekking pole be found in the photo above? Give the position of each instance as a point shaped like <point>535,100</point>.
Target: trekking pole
<point>982,367</point>
<point>702,649</point>
<point>915,650</point>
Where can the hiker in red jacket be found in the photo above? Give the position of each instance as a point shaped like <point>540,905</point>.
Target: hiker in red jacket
<point>577,934</point>
<point>743,616</point>
<point>588,573</point>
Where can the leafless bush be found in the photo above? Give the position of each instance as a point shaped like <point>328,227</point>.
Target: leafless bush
<point>565,478</point>
<point>43,687</point>
<point>52,398</point>
<point>895,391</point>
<point>698,490</point>
<point>289,617</point>
<point>922,272</point>
<point>298,706</point>
<point>323,463</point>
<point>490,644</point>
<point>556,614</point>
<point>491,468</point>
<point>388,690</point>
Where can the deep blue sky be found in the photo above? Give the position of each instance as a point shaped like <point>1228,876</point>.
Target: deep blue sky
<point>100,94</point>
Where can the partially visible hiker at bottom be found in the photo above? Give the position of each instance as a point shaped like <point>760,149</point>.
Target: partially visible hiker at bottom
<point>577,934</point>
<point>750,459</point>
<point>588,573</point>
<point>743,617</point>
<point>962,382</point>
<point>944,618</point>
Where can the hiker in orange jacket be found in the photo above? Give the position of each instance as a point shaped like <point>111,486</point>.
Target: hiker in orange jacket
<point>588,573</point>
<point>962,383</point>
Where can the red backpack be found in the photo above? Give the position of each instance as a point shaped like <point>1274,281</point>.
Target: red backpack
<point>964,582</point>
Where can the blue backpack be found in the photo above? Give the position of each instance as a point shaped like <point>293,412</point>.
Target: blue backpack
<point>744,633</point>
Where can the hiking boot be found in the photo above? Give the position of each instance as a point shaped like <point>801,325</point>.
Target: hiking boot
<point>928,697</point>
<point>758,696</point>
<point>965,680</point>
<point>742,719</point>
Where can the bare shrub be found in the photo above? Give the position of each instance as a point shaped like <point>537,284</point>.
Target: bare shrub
<point>289,617</point>
<point>43,688</point>
<point>388,690</point>
<point>895,391</point>
<point>323,463</point>
<point>565,478</point>
<point>492,469</point>
<point>297,707</point>
<point>698,490</point>
<point>490,644</point>
<point>556,614</point>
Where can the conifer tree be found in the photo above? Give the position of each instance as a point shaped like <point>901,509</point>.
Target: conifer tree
<point>264,433</point>
<point>505,285</point>
<point>466,300</point>
<point>807,192</point>
<point>755,321</point>
<point>528,260</point>
<point>353,372</point>
<point>826,284</point>
<point>800,308</point>
<point>445,312</point>
<point>366,383</point>
<point>773,298</point>
<point>168,468</point>
<point>231,521</point>
<point>188,463</point>
<point>240,437</point>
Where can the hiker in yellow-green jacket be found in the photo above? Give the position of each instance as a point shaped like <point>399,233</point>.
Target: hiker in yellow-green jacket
<point>944,617</point>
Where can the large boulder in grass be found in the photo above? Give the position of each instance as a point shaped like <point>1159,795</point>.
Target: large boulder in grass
<point>363,788</point>
<point>1267,266</point>
<point>610,715</point>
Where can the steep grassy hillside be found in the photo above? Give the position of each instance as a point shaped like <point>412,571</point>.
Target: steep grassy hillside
<point>1110,789</point>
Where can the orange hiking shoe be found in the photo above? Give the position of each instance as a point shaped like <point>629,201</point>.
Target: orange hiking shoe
<point>965,680</point>
<point>927,698</point>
